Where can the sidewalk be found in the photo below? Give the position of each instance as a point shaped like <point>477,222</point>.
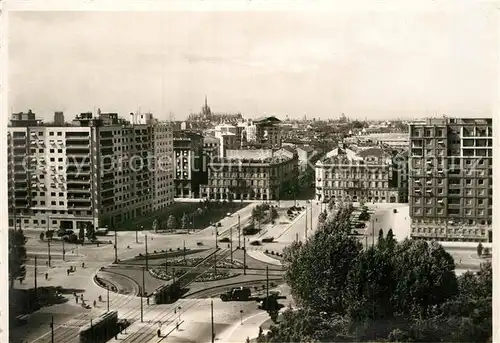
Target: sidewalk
<point>259,255</point>
<point>249,328</point>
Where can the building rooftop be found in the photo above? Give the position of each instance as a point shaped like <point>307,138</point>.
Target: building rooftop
<point>266,119</point>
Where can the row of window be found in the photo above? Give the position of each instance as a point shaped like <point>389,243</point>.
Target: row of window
<point>434,230</point>
<point>418,211</point>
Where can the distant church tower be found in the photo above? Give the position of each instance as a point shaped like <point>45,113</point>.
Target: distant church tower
<point>205,111</point>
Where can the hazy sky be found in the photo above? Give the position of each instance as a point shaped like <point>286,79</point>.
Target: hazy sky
<point>366,64</point>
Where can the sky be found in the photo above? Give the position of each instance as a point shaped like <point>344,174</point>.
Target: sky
<point>367,64</point>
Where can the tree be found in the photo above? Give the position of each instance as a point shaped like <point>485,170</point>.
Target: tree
<point>90,232</point>
<point>426,277</point>
<point>390,241</point>
<point>184,221</point>
<point>49,234</point>
<point>171,222</point>
<point>380,237</point>
<point>317,271</point>
<point>81,234</point>
<point>17,255</point>
<point>42,236</point>
<point>479,249</point>
<point>322,217</point>
<point>370,285</point>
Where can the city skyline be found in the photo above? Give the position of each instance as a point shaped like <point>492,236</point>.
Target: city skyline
<point>364,64</point>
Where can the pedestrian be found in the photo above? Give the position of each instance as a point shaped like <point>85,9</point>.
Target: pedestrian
<point>67,271</point>
<point>177,326</point>
<point>46,276</point>
<point>83,264</point>
<point>100,298</point>
<point>95,303</point>
<point>158,332</point>
<point>76,299</point>
<point>147,300</point>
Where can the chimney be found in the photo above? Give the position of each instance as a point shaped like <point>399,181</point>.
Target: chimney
<point>132,121</point>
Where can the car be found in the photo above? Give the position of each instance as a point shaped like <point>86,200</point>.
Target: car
<point>199,243</point>
<point>395,210</point>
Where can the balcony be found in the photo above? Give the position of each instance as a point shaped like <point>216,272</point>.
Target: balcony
<point>79,206</point>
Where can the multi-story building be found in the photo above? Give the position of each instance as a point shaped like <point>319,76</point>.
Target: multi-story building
<point>98,170</point>
<point>251,175</point>
<point>268,132</point>
<point>188,166</point>
<point>450,180</point>
<point>211,146</point>
<point>349,176</point>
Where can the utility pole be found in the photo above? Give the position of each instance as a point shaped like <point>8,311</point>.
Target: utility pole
<point>212,319</point>
<point>306,224</point>
<point>216,234</point>
<point>373,233</point>
<point>48,247</point>
<point>215,263</point>
<point>64,250</point>
<point>146,240</point>
<point>116,247</point>
<point>311,216</point>
<point>184,250</point>
<point>142,315</point>
<point>239,232</point>
<point>244,257</point>
<point>36,286</point>
<point>136,237</point>
<point>231,242</point>
<point>107,288</point>
<point>166,262</point>
<point>52,330</point>
<point>143,282</point>
<point>267,281</point>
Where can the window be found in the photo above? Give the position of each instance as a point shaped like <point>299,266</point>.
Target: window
<point>52,151</point>
<point>52,159</point>
<point>40,133</point>
<point>59,151</point>
<point>61,203</point>
<point>51,133</point>
<point>52,202</point>
<point>59,133</point>
<point>53,194</point>
<point>26,221</point>
<point>480,182</point>
<point>60,159</point>
<point>61,194</point>
<point>42,194</point>
<point>40,150</point>
<point>54,222</point>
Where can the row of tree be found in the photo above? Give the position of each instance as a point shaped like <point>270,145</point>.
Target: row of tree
<point>397,291</point>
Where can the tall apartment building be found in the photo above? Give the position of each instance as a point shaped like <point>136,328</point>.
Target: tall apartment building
<point>99,169</point>
<point>188,166</point>
<point>348,176</point>
<point>450,180</point>
<point>251,175</point>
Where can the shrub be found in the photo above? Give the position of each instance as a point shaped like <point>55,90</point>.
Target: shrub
<point>272,252</point>
<point>267,251</point>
